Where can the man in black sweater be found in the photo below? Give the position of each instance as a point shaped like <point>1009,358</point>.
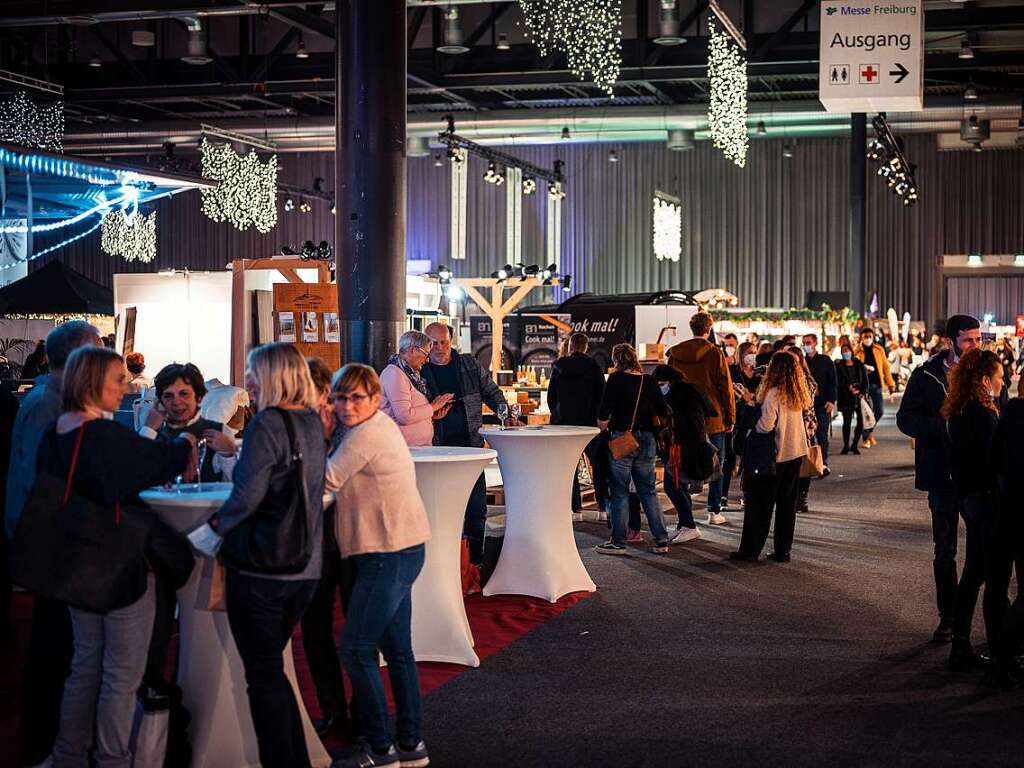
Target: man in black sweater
<point>823,370</point>
<point>574,397</point>
<point>919,418</point>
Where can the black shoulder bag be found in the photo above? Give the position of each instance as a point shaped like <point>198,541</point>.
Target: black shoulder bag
<point>276,538</point>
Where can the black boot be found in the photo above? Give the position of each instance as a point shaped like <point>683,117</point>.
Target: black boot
<point>801,504</point>
<point>845,451</point>
<point>962,657</point>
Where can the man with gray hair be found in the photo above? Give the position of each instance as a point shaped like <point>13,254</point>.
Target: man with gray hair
<point>50,647</point>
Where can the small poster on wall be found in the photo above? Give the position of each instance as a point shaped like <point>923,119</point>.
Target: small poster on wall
<point>332,329</point>
<point>310,327</point>
<point>286,327</point>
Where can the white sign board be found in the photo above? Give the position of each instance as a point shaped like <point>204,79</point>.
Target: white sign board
<point>871,56</point>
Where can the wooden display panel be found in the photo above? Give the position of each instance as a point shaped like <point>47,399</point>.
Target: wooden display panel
<point>319,300</point>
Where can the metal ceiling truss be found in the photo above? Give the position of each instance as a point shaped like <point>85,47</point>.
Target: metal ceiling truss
<point>453,141</point>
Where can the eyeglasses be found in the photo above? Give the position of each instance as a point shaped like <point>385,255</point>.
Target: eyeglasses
<point>426,351</point>
<point>354,399</point>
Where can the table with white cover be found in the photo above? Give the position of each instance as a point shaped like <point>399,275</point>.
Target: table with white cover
<point>445,478</point>
<point>210,670</point>
<point>539,555</point>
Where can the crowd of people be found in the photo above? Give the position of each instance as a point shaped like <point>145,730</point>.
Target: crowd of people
<point>301,433</point>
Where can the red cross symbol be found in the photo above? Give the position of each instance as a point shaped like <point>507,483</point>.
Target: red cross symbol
<point>868,73</point>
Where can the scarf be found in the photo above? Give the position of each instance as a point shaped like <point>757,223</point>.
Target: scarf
<point>414,376</point>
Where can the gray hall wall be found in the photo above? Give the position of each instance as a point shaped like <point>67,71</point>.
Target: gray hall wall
<point>769,232</point>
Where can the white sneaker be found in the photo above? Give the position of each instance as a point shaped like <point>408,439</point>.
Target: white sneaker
<point>715,518</point>
<point>684,535</point>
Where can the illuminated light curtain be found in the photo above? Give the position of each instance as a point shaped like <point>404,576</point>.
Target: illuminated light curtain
<point>459,174</point>
<point>513,215</point>
<point>727,109</point>
<point>667,216</point>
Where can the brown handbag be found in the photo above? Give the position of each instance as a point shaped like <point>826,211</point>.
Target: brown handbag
<point>626,444</point>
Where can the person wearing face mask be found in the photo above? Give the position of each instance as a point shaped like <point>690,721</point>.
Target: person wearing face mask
<point>851,385</point>
<point>876,362</point>
<point>745,381</point>
<point>729,346</point>
<point>919,418</point>
<point>824,373</point>
<point>972,418</point>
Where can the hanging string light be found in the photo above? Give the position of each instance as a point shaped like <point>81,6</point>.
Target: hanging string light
<point>247,193</point>
<point>131,236</point>
<point>668,227</point>
<point>588,32</point>
<point>24,123</point>
<point>727,112</point>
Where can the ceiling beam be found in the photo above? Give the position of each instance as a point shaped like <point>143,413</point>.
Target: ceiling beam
<point>133,69</point>
<point>487,24</point>
<point>419,13</point>
<point>800,13</point>
<point>304,20</point>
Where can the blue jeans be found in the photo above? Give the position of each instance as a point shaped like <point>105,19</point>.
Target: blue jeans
<point>380,615</point>
<point>715,486</point>
<point>877,405</point>
<point>639,467</point>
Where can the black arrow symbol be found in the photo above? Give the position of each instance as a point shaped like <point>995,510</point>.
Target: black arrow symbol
<point>899,73</point>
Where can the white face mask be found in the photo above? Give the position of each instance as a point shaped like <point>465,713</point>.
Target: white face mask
<point>847,356</point>
<point>730,351</point>
<point>665,387</point>
<point>750,360</point>
<point>868,341</point>
<point>808,350</point>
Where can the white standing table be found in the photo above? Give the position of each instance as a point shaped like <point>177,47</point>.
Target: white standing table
<point>445,477</point>
<point>210,670</point>
<point>539,555</point>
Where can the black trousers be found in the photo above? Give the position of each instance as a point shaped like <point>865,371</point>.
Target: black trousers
<point>475,526</point>
<point>945,523</point>
<point>762,497</point>
<point>848,416</point>
<point>262,614</point>
<point>163,628</point>
<point>6,591</point>
<point>730,465</point>
<point>46,668</point>
<point>318,638</point>
<point>981,566</point>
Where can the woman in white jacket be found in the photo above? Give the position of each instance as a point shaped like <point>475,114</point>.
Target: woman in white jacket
<point>783,396</point>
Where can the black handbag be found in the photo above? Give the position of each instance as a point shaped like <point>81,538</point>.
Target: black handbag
<point>276,538</point>
<point>169,554</point>
<point>759,454</point>
<point>72,550</point>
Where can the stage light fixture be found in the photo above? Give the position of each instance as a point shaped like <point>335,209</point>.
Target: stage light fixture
<point>555,191</point>
<point>565,134</point>
<point>613,156</point>
<point>438,162</point>
<point>761,127</point>
<point>305,207</point>
<point>966,51</point>
<point>565,282</point>
<point>308,250</point>
<point>970,94</point>
<point>529,185</point>
<point>289,204</point>
<point>301,52</point>
<point>503,42</point>
<point>787,150</point>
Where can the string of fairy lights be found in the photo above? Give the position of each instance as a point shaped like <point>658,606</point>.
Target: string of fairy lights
<point>27,124</point>
<point>668,227</point>
<point>132,236</point>
<point>727,110</point>
<point>246,193</point>
<point>588,32</point>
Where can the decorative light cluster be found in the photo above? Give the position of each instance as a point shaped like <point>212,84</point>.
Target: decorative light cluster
<point>131,236</point>
<point>247,193</point>
<point>555,191</point>
<point>493,176</point>
<point>23,123</point>
<point>588,32</point>
<point>529,185</point>
<point>892,164</point>
<point>668,228</point>
<point>727,112</point>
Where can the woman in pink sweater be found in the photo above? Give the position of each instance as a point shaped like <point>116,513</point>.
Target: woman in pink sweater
<point>406,396</point>
<point>382,525</point>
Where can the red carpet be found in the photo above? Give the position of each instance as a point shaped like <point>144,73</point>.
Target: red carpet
<point>495,621</point>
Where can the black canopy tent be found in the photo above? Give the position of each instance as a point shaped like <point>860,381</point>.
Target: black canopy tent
<point>56,289</point>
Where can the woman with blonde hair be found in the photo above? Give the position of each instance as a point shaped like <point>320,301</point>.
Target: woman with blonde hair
<point>632,405</point>
<point>381,524</point>
<point>108,464</point>
<point>972,417</point>
<point>270,534</point>
<point>783,396</point>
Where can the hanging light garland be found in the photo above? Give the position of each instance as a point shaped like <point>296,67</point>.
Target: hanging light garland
<point>727,112</point>
<point>131,236</point>
<point>588,32</point>
<point>668,227</point>
<point>24,123</point>
<point>247,193</point>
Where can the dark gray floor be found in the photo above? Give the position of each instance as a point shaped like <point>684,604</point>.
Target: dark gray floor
<point>691,660</point>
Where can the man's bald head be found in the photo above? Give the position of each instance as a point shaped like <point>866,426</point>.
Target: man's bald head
<point>441,335</point>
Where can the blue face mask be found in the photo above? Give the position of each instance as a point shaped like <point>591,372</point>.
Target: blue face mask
<point>847,356</point>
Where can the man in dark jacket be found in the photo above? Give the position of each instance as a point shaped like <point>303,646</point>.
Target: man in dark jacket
<point>574,396</point>
<point>823,371</point>
<point>919,418</point>
<point>461,375</point>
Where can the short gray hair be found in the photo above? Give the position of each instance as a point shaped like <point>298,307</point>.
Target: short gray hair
<point>411,339</point>
<point>66,338</point>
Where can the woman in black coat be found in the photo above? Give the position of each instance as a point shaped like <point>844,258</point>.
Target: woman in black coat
<point>972,416</point>
<point>684,449</point>
<point>852,384</point>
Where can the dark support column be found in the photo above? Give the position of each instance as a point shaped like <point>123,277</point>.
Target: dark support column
<point>855,260</point>
<point>369,175</point>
